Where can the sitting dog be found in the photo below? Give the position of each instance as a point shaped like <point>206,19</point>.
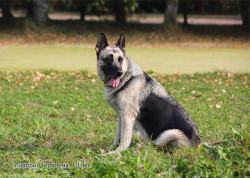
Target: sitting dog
<point>140,102</point>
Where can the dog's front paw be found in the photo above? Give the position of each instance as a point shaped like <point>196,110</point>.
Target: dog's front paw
<point>113,153</point>
<point>103,153</point>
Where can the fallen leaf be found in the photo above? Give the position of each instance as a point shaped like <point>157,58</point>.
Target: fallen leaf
<point>192,97</point>
<point>217,106</point>
<point>55,102</point>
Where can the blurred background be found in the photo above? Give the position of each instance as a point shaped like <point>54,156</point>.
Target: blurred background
<point>164,36</point>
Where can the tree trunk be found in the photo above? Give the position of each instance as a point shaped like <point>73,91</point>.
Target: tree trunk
<point>29,5</point>
<point>120,13</point>
<point>6,9</point>
<point>40,10</point>
<point>183,4</point>
<point>82,9</point>
<point>245,14</point>
<point>202,6</point>
<point>171,11</point>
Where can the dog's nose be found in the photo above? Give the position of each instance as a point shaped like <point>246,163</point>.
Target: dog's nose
<point>119,73</point>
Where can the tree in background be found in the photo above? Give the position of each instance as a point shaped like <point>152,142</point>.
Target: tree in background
<point>6,9</point>
<point>82,7</point>
<point>37,10</point>
<point>40,10</point>
<point>171,11</point>
<point>183,7</point>
<point>29,6</point>
<point>245,14</point>
<point>120,13</point>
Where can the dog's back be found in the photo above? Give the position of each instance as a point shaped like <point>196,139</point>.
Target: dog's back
<point>160,112</point>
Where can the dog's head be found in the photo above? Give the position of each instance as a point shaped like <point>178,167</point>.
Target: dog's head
<point>111,60</point>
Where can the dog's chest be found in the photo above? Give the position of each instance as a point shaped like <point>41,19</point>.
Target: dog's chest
<point>119,100</point>
<point>108,94</point>
<point>112,98</point>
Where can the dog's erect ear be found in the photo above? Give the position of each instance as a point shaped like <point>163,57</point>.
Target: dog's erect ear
<point>121,42</point>
<point>101,43</point>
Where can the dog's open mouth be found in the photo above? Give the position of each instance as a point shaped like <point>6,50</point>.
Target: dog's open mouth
<point>115,82</point>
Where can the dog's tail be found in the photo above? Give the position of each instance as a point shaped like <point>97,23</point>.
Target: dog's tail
<point>173,137</point>
<point>176,137</point>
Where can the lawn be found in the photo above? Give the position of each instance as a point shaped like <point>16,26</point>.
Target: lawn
<point>61,117</point>
<point>51,115</point>
<point>160,60</point>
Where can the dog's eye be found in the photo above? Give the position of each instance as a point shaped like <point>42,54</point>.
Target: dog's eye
<point>120,59</point>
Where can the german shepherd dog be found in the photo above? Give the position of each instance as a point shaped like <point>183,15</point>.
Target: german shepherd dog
<point>140,102</point>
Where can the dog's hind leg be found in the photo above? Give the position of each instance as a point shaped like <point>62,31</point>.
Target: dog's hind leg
<point>173,136</point>
<point>117,132</point>
<point>141,132</point>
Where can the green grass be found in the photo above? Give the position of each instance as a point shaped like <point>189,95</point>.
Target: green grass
<point>62,117</point>
<point>162,60</point>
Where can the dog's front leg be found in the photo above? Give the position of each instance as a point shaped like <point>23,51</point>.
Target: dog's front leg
<point>127,123</point>
<point>117,132</point>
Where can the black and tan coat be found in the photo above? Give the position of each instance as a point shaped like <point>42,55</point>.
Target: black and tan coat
<point>140,101</point>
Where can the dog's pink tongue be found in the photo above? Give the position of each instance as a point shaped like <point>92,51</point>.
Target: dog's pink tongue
<point>115,82</point>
